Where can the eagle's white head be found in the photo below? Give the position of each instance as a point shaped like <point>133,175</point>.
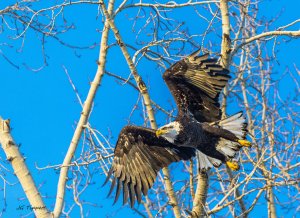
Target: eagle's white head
<point>169,131</point>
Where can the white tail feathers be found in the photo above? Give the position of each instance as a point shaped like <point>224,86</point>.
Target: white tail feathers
<point>237,125</point>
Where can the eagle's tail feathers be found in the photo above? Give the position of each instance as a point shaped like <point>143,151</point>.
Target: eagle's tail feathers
<point>237,125</point>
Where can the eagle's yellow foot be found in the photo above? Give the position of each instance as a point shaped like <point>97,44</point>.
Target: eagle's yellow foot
<point>233,165</point>
<point>244,143</point>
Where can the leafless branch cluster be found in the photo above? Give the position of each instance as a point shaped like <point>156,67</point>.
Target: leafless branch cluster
<point>159,34</point>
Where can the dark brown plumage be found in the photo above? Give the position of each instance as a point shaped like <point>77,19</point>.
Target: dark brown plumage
<point>139,155</point>
<point>195,82</point>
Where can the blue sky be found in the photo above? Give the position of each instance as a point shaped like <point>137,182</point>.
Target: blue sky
<point>43,107</point>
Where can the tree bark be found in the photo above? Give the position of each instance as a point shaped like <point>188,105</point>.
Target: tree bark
<point>143,90</point>
<point>63,177</point>
<point>200,195</point>
<point>19,166</point>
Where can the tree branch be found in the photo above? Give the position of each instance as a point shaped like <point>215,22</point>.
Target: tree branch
<point>143,89</point>
<point>202,185</point>
<point>200,195</point>
<point>171,4</point>
<point>263,35</point>
<point>63,177</point>
<point>225,61</point>
<point>17,161</point>
<point>226,41</point>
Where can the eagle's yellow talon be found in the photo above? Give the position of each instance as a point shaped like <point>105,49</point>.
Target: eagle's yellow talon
<point>233,165</point>
<point>244,143</point>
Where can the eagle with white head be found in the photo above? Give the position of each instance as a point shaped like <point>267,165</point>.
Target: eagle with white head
<point>195,82</point>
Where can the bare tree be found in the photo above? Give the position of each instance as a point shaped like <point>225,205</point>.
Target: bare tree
<point>245,42</point>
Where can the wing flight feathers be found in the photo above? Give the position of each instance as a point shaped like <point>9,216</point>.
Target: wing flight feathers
<point>139,155</point>
<point>196,82</point>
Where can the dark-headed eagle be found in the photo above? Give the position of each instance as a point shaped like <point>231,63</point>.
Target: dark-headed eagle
<point>195,82</point>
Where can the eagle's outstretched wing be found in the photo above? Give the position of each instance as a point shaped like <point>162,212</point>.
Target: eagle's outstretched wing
<point>196,82</point>
<point>139,155</point>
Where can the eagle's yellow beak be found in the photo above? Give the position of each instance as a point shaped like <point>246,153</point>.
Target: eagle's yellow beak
<point>160,132</point>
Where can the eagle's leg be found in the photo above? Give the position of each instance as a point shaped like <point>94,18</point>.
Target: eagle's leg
<point>224,133</point>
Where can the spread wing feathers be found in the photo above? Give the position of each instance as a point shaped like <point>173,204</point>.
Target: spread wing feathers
<point>196,82</point>
<point>139,155</point>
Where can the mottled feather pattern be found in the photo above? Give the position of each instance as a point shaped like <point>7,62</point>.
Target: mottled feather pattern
<point>139,155</point>
<point>195,83</point>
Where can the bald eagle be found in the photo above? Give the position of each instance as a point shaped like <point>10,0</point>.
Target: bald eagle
<point>195,82</point>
